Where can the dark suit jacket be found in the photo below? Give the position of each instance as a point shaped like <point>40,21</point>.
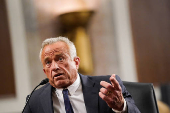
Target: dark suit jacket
<point>41,100</point>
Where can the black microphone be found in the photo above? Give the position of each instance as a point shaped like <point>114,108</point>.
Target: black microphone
<point>44,81</point>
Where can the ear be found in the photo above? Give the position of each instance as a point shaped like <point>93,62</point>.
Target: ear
<point>44,70</point>
<point>77,62</point>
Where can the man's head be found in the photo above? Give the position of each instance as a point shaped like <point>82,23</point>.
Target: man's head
<point>60,62</point>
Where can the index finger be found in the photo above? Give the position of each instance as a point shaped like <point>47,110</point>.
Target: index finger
<point>114,82</point>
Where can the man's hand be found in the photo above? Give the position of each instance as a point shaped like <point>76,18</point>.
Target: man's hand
<point>112,94</point>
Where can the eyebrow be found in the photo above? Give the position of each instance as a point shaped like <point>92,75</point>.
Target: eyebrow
<point>46,59</point>
<point>57,55</point>
<point>61,54</point>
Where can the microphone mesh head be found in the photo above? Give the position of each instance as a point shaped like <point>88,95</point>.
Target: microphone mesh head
<point>44,81</point>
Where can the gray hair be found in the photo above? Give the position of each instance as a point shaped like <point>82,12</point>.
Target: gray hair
<point>72,48</point>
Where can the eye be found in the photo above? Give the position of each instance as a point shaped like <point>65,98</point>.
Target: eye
<point>61,59</point>
<point>47,62</point>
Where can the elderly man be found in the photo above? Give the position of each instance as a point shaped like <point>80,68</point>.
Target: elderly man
<point>71,92</point>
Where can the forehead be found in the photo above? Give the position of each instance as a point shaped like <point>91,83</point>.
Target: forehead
<point>54,48</point>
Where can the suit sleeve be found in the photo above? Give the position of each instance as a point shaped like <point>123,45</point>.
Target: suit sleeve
<point>131,107</point>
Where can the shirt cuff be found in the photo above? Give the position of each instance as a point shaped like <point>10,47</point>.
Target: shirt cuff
<point>124,108</point>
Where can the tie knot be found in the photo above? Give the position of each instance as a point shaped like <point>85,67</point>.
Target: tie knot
<point>65,91</point>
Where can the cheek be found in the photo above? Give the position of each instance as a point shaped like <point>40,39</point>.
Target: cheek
<point>47,72</point>
<point>72,70</point>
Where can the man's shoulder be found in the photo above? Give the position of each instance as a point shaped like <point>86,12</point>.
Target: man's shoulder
<point>42,89</point>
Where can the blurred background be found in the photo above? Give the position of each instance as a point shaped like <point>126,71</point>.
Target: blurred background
<point>130,38</point>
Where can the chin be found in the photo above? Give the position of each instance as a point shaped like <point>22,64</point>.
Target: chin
<point>62,85</point>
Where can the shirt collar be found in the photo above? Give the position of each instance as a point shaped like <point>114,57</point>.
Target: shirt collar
<point>72,88</point>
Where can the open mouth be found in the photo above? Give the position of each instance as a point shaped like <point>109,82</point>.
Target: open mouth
<point>59,74</point>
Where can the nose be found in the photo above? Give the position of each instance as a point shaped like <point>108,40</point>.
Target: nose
<point>54,66</point>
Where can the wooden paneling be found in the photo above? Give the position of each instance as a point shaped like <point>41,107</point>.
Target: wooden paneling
<point>7,85</point>
<point>151,35</point>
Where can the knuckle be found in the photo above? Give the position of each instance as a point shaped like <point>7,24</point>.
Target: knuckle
<point>105,91</point>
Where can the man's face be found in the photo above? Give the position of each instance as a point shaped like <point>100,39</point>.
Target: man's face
<point>60,69</point>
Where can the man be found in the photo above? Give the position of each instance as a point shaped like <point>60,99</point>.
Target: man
<point>87,94</point>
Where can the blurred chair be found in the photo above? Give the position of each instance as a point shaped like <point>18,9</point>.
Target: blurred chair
<point>143,95</point>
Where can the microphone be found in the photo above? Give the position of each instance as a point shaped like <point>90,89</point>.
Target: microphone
<point>44,81</point>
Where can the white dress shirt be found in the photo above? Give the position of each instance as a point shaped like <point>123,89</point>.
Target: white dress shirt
<point>75,96</point>
<point>76,99</point>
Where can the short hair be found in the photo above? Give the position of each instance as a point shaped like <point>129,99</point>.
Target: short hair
<point>48,41</point>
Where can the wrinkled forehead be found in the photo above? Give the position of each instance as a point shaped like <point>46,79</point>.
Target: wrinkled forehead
<point>57,47</point>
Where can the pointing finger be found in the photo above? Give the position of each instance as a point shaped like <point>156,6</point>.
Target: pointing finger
<point>114,82</point>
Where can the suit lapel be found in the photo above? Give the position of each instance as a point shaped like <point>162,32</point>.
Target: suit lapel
<point>90,92</point>
<point>46,99</point>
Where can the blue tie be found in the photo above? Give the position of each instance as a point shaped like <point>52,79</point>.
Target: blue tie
<point>67,103</point>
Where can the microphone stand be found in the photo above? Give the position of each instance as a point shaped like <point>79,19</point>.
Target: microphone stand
<point>44,81</point>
